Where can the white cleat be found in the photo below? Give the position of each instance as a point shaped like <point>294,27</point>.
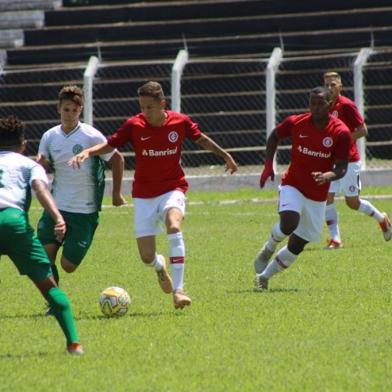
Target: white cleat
<point>262,258</point>
<point>385,226</point>
<point>261,283</point>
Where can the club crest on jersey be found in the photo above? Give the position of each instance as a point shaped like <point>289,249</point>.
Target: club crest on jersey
<point>335,113</point>
<point>77,148</point>
<point>327,142</point>
<point>173,136</point>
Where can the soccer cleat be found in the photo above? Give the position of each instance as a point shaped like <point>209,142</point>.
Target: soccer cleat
<point>261,283</point>
<point>164,278</point>
<point>386,227</point>
<point>75,349</point>
<point>49,311</point>
<point>333,244</point>
<point>262,259</point>
<point>180,299</point>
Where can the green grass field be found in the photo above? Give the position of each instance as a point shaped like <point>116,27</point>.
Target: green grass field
<point>325,324</point>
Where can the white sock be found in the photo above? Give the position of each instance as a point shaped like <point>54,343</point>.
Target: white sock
<point>157,263</point>
<point>177,259</point>
<point>331,217</point>
<point>276,237</point>
<point>282,261</point>
<point>368,208</point>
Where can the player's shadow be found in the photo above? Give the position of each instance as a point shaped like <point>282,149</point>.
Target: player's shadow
<point>28,355</point>
<point>269,291</point>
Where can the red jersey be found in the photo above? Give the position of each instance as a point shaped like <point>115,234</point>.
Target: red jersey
<point>346,110</point>
<point>313,150</point>
<point>157,152</point>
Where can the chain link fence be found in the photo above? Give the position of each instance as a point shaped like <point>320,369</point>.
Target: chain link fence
<point>226,96</point>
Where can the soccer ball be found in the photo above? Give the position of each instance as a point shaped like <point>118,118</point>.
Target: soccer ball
<point>114,301</point>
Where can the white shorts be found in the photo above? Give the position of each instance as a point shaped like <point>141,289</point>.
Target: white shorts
<point>150,214</point>
<point>312,213</point>
<point>350,184</point>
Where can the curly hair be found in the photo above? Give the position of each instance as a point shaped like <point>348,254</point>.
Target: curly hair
<point>11,131</point>
<point>71,93</point>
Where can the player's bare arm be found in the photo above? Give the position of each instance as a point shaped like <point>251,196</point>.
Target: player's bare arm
<point>268,171</point>
<point>99,149</point>
<point>46,200</point>
<point>359,132</point>
<point>117,162</point>
<point>209,145</point>
<point>338,172</point>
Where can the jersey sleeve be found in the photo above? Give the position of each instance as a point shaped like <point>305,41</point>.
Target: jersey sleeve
<point>100,138</point>
<point>37,172</point>
<point>122,136</point>
<point>344,141</point>
<point>284,128</point>
<point>353,119</point>
<point>192,129</point>
<point>43,148</point>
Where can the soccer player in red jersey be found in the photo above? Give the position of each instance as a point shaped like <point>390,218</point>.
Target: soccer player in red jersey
<point>319,154</point>
<point>345,109</point>
<point>159,185</point>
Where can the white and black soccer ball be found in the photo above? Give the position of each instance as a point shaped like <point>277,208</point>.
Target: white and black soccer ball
<point>114,301</point>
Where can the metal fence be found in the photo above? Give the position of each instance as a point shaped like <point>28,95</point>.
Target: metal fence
<point>235,100</point>
<point>238,101</point>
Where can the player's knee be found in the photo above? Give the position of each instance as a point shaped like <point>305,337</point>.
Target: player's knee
<point>68,266</point>
<point>353,203</point>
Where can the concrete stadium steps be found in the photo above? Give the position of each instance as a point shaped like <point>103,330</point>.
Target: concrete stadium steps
<point>28,93</point>
<point>223,102</point>
<point>115,11</point>
<point>18,5</point>
<point>235,45</point>
<point>64,72</point>
<point>204,27</point>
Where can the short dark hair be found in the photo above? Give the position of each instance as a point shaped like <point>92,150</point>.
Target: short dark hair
<point>11,132</point>
<point>71,93</point>
<point>151,89</point>
<point>321,90</point>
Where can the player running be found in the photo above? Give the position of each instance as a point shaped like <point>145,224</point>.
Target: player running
<point>77,194</point>
<point>159,186</point>
<point>18,176</point>
<point>345,109</point>
<point>320,147</point>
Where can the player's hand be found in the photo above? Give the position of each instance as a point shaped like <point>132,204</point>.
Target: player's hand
<point>118,199</point>
<point>78,159</point>
<point>320,178</point>
<point>60,229</point>
<point>231,165</point>
<point>268,172</point>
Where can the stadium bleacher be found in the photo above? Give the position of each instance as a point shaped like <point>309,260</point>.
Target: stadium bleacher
<point>223,85</point>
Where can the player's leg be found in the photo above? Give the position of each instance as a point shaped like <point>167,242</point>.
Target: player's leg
<point>45,233</point>
<point>30,258</point>
<point>289,199</point>
<point>352,188</point>
<point>332,217</point>
<point>173,207</point>
<point>146,223</point>
<point>62,311</point>
<point>80,233</point>
<point>308,229</point>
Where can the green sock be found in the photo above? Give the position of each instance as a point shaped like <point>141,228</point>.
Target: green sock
<point>61,308</point>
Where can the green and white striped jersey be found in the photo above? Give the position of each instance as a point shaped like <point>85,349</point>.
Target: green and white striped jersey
<point>16,175</point>
<point>75,190</point>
